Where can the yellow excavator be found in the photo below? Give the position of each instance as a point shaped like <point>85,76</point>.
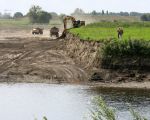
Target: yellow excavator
<point>75,24</point>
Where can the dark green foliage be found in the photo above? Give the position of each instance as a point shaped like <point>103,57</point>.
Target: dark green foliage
<point>103,12</point>
<point>127,48</point>
<point>18,15</point>
<point>94,12</point>
<point>37,15</point>
<point>145,17</point>
<point>43,17</point>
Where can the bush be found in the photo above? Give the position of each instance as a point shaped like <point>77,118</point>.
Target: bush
<point>126,48</point>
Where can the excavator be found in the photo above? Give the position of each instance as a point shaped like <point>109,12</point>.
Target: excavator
<point>75,24</point>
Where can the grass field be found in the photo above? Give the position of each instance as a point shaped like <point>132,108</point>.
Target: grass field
<point>14,22</point>
<point>107,30</point>
<point>25,23</point>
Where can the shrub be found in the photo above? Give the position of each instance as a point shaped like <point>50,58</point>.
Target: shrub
<point>126,48</point>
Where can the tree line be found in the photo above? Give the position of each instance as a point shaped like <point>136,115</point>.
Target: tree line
<point>37,15</point>
<point>79,11</point>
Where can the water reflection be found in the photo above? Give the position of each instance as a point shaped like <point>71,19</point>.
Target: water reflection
<point>121,99</point>
<point>64,102</point>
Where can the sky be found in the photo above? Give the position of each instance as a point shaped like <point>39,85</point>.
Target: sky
<point>68,6</point>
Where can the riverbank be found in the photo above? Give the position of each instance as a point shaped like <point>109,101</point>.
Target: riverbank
<point>88,54</point>
<point>40,59</point>
<point>129,86</point>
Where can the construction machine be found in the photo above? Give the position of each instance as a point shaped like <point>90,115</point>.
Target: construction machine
<point>37,31</point>
<point>75,24</point>
<point>54,31</point>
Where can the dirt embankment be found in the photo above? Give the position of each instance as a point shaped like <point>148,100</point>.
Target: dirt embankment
<point>28,58</point>
<point>88,55</point>
<point>85,53</point>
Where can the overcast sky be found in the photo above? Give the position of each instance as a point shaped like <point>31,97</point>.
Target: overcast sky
<point>68,6</point>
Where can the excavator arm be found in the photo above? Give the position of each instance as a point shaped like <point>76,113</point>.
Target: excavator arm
<point>74,24</point>
<point>68,18</point>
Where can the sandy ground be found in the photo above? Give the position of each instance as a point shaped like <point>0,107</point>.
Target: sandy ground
<point>35,58</point>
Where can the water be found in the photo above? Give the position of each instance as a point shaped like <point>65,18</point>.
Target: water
<point>63,102</point>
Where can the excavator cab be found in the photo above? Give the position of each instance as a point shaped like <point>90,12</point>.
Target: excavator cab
<point>76,24</point>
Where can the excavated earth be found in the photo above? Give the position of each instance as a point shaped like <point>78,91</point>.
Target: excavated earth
<point>27,58</point>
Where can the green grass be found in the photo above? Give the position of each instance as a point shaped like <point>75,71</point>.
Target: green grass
<point>108,30</point>
<point>24,22</point>
<point>14,22</point>
<point>110,33</point>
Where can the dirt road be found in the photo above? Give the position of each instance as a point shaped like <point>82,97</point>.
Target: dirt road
<point>27,58</point>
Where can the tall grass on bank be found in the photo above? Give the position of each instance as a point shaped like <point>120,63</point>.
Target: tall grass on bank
<point>101,111</point>
<point>126,48</point>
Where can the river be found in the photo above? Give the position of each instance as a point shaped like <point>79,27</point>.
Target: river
<point>64,102</point>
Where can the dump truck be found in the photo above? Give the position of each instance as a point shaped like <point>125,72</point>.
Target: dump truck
<point>37,31</point>
<point>54,31</point>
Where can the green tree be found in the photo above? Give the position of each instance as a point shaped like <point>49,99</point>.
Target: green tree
<point>18,15</point>
<point>33,13</point>
<point>43,17</point>
<point>103,12</point>
<point>94,12</point>
<point>145,17</point>
<point>107,12</point>
<point>37,15</point>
